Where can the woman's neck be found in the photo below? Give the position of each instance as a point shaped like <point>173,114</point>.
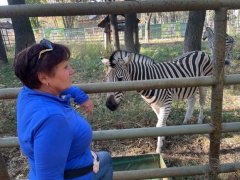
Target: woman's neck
<point>48,89</point>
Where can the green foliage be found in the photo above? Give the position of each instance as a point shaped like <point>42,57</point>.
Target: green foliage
<point>87,63</point>
<point>36,1</point>
<point>6,75</point>
<point>34,22</point>
<point>163,52</point>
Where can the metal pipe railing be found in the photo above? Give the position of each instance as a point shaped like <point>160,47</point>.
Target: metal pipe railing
<point>173,171</point>
<point>11,93</point>
<point>123,7</point>
<point>144,132</point>
<point>217,80</point>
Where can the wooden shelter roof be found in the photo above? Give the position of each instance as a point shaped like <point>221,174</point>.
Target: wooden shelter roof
<point>120,21</point>
<point>6,25</point>
<point>106,20</point>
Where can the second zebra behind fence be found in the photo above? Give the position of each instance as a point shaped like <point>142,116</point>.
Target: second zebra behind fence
<point>127,66</point>
<point>209,34</point>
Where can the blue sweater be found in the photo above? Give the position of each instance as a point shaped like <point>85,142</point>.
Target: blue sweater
<point>52,134</point>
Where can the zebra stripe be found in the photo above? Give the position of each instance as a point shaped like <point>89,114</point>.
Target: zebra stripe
<point>191,65</point>
<point>126,66</point>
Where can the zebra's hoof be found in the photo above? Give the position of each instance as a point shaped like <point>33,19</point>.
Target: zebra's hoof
<point>185,122</point>
<point>158,150</point>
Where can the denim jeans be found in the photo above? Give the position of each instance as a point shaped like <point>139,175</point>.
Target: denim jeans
<point>105,167</point>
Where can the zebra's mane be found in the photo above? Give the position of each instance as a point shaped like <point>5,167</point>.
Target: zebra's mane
<point>120,54</point>
<point>209,30</point>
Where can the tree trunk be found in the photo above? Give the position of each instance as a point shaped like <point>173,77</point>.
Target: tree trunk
<point>136,35</point>
<point>113,26</point>
<point>35,22</point>
<point>193,34</point>
<point>128,33</point>
<point>3,54</point>
<point>147,27</point>
<point>68,21</point>
<point>3,170</point>
<point>24,35</point>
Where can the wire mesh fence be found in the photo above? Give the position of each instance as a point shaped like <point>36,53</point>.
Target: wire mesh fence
<point>97,34</point>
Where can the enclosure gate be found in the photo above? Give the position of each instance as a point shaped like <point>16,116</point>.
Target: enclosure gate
<point>217,80</point>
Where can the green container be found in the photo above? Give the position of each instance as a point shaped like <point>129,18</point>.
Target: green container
<point>146,161</point>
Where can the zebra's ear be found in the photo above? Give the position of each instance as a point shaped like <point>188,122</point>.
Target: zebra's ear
<point>105,61</point>
<point>128,59</point>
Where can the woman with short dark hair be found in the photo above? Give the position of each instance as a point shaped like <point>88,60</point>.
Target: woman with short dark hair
<point>53,136</point>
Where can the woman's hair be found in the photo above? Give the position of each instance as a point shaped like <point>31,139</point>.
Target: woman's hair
<point>37,58</point>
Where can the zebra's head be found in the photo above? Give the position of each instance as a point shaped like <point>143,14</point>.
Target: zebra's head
<point>208,33</point>
<point>117,66</point>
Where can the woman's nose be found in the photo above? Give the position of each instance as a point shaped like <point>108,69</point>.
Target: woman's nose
<point>71,70</point>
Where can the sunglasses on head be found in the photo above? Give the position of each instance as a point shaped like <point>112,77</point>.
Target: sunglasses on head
<point>47,45</point>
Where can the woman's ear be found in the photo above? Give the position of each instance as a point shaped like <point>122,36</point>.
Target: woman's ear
<point>42,78</point>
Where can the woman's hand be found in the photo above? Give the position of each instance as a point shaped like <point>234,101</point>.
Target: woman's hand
<point>87,107</point>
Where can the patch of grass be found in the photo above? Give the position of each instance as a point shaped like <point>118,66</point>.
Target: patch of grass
<point>7,76</point>
<point>87,63</point>
<point>8,114</point>
<point>132,113</point>
<point>162,52</point>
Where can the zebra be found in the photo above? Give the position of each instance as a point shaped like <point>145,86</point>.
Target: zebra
<point>127,66</point>
<point>209,34</point>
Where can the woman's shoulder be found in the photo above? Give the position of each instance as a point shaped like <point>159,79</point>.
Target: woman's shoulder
<point>37,104</point>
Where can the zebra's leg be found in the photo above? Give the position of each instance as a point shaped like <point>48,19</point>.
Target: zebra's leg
<point>162,114</point>
<point>202,100</point>
<point>191,102</point>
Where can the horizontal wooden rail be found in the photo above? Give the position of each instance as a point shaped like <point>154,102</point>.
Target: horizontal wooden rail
<point>71,9</point>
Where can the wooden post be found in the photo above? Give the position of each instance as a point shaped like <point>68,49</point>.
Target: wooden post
<point>220,24</point>
<point>107,35</point>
